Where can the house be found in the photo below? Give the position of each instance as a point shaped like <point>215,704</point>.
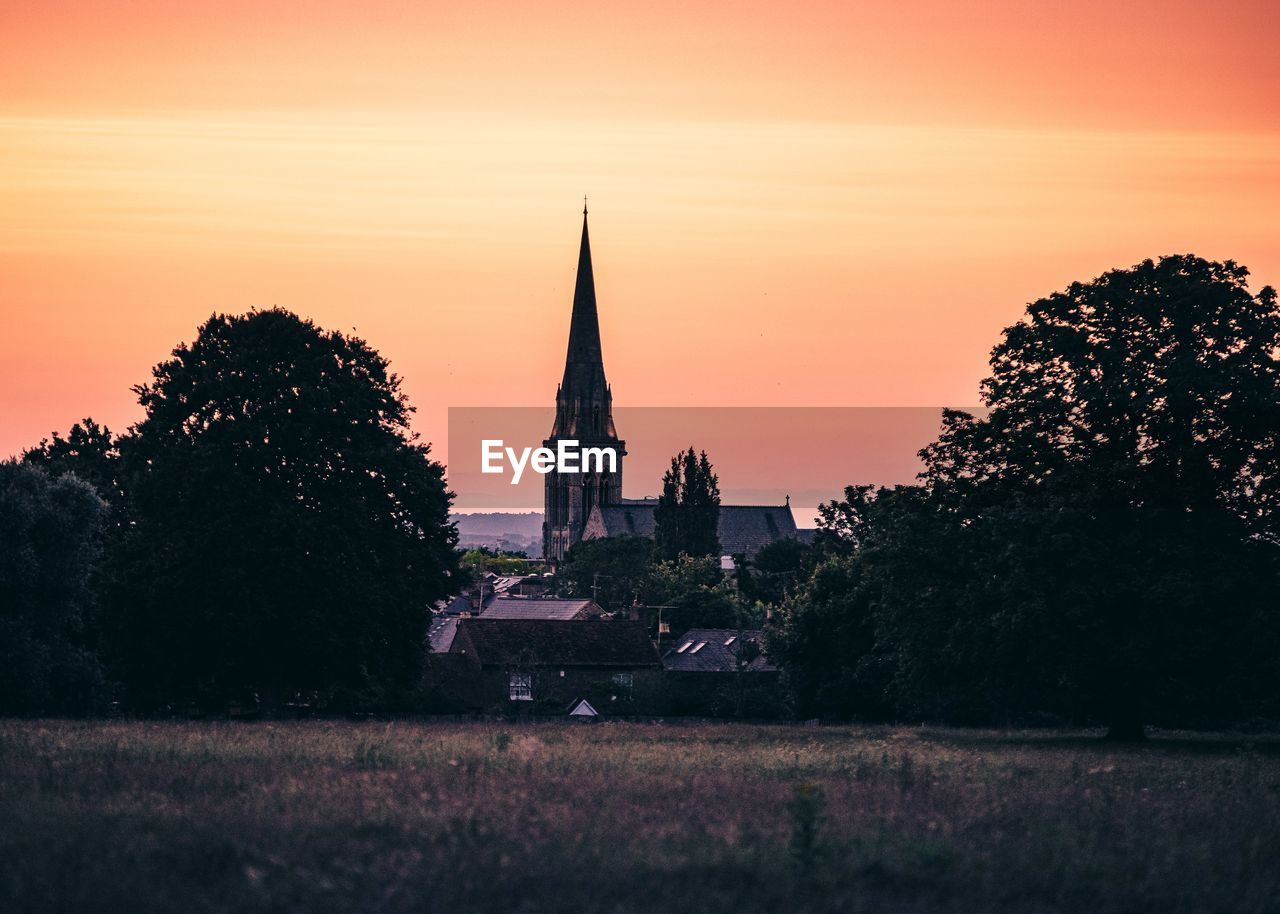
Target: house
<point>540,608</point>
<point>477,596</point>
<point>718,650</point>
<point>743,530</point>
<point>721,672</point>
<point>540,665</point>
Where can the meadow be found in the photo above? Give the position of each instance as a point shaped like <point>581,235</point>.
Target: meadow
<point>620,817</point>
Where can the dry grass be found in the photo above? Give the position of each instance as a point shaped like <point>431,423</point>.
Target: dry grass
<point>626,817</point>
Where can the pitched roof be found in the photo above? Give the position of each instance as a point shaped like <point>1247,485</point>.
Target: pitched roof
<point>743,529</point>
<point>455,605</point>
<point>536,608</point>
<point>556,643</point>
<point>441,632</point>
<point>716,650</point>
<point>636,520</point>
<point>746,529</point>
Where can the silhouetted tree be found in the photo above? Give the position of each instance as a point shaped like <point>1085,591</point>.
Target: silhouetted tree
<point>90,452</point>
<point>694,594</point>
<point>50,532</point>
<point>825,633</point>
<point>687,517</point>
<point>1138,416</point>
<point>1102,544</point>
<point>611,570</point>
<point>290,533</point>
<point>776,570</point>
<point>1162,378</point>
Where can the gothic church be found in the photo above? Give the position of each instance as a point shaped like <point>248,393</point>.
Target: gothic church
<point>579,506</point>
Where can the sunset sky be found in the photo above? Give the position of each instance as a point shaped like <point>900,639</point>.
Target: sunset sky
<point>791,204</point>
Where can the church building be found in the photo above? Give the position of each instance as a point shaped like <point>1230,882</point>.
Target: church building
<point>589,505</point>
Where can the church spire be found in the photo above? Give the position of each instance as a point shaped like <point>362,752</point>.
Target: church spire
<point>584,326</point>
<point>584,412</point>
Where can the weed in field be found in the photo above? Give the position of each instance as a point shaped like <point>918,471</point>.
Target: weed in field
<point>806,809</point>
<point>371,755</point>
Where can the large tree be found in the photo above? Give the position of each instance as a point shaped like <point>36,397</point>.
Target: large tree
<point>1114,513</point>
<point>1101,544</point>
<point>290,532</point>
<point>50,534</point>
<point>687,516</point>
<point>1163,377</point>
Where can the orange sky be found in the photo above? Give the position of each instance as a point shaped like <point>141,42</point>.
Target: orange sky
<point>824,204</point>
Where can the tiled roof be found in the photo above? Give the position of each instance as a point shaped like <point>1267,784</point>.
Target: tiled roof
<point>746,529</point>
<point>552,643</point>
<point>636,520</point>
<point>440,633</point>
<point>719,652</point>
<point>455,605</point>
<point>743,529</point>
<point>536,608</point>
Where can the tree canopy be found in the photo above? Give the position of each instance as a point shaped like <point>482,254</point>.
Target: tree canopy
<point>687,517</point>
<point>1101,544</point>
<point>289,531</point>
<point>614,570</point>
<point>50,538</point>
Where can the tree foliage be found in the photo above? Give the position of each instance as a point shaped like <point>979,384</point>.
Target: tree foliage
<point>694,593</point>
<point>50,537</point>
<point>777,570</point>
<point>90,452</point>
<point>289,532</point>
<point>1101,544</point>
<point>614,570</point>
<point>687,516</point>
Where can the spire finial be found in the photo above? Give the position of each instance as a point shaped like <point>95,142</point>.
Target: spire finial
<point>584,204</point>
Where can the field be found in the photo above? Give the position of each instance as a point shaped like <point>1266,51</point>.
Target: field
<point>329,816</point>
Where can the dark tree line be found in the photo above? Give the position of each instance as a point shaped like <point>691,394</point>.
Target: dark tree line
<point>1101,545</point>
<point>273,527</point>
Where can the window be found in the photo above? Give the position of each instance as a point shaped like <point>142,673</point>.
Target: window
<point>520,687</point>
<point>732,638</point>
<point>684,647</point>
<point>623,680</point>
<point>697,647</point>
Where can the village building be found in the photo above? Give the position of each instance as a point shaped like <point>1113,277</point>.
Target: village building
<point>541,665</point>
<point>541,608</point>
<point>721,672</point>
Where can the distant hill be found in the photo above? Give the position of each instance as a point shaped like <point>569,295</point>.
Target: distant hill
<point>505,532</point>
<point>497,524</point>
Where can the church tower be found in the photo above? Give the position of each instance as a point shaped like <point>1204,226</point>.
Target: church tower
<point>584,413</point>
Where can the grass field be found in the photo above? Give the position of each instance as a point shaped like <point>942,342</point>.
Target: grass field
<point>328,816</point>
